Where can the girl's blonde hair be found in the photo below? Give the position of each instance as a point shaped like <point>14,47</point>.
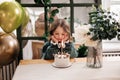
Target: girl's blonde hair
<point>62,23</point>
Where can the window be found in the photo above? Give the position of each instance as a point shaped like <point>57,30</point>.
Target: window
<point>112,46</point>
<point>76,10</point>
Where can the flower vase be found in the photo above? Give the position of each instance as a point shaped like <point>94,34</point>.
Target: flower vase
<point>94,56</point>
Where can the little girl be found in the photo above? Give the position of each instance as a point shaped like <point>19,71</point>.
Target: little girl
<point>59,38</point>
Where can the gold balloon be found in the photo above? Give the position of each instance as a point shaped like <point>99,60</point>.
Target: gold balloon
<point>9,48</point>
<point>11,15</point>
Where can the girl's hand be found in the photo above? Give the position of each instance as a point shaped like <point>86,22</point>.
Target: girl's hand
<point>54,39</point>
<point>65,38</point>
<point>61,44</point>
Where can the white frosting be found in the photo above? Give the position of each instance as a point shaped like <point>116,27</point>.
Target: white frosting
<point>61,60</point>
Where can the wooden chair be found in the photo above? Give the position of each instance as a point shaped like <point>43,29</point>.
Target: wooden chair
<point>37,49</point>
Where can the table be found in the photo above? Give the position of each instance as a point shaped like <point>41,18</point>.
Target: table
<point>43,70</point>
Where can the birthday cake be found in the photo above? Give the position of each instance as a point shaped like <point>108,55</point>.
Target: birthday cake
<point>62,60</point>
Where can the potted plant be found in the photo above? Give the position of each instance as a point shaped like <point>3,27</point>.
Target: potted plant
<point>104,26</point>
<point>82,51</point>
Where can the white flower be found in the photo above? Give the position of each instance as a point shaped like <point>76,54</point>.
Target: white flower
<point>81,36</point>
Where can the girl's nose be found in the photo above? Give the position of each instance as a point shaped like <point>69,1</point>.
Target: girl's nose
<point>60,37</point>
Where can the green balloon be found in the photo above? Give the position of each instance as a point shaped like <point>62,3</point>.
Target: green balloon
<point>25,18</point>
<point>11,15</point>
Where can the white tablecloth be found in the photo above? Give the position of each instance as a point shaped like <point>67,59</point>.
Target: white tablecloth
<point>78,71</point>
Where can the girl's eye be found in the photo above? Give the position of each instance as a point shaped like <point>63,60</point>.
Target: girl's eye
<point>56,33</point>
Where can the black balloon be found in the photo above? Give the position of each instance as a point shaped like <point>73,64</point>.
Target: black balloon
<point>9,48</point>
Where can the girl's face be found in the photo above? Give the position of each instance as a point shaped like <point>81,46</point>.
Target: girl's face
<point>59,34</point>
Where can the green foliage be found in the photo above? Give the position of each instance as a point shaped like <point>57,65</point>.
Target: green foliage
<point>42,2</point>
<point>104,24</point>
<point>52,12</point>
<point>45,35</point>
<point>49,10</point>
<point>82,51</point>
